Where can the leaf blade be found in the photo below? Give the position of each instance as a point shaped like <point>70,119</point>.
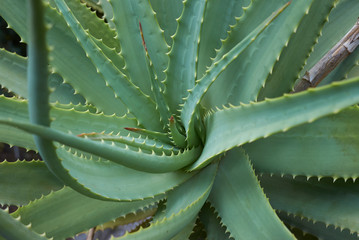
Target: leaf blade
<point>245,124</point>
<point>241,203</point>
<point>326,147</point>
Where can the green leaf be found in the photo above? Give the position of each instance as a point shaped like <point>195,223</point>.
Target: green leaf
<point>180,74</point>
<point>318,229</point>
<point>63,93</point>
<point>138,103</point>
<point>244,77</point>
<point>136,159</point>
<point>225,11</point>
<point>212,223</point>
<point>66,56</point>
<point>65,120</point>
<point>65,212</point>
<point>115,181</point>
<point>332,203</point>
<point>39,108</point>
<point>13,69</point>
<point>326,147</point>
<point>167,13</point>
<point>153,36</point>
<point>354,72</point>
<point>182,207</point>
<point>292,59</point>
<point>249,122</point>
<point>22,182</point>
<point>108,12</point>
<point>241,203</point>
<point>126,21</point>
<point>196,94</point>
<point>185,233</point>
<point>96,26</point>
<point>16,109</point>
<point>11,228</point>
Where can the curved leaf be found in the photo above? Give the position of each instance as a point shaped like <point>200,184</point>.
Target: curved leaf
<point>138,103</point>
<point>212,223</point>
<point>153,36</point>
<point>318,229</point>
<point>196,94</point>
<point>22,182</point>
<point>332,203</point>
<point>127,26</point>
<point>66,56</point>
<point>180,74</point>
<point>72,212</point>
<point>180,210</point>
<point>241,203</point>
<point>139,160</point>
<point>249,122</point>
<point>326,147</point>
<point>167,13</point>
<point>115,181</point>
<point>293,57</point>
<point>225,11</point>
<point>11,228</point>
<point>244,77</point>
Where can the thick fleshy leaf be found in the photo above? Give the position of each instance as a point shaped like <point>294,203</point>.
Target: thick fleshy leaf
<point>180,74</point>
<point>242,79</point>
<point>197,93</point>
<point>22,182</point>
<point>133,158</point>
<point>11,228</point>
<point>16,109</point>
<point>212,223</point>
<point>300,44</point>
<point>225,11</point>
<point>241,203</point>
<point>72,212</point>
<point>138,103</point>
<point>96,26</point>
<point>127,25</point>
<point>332,203</point>
<point>115,181</point>
<point>66,56</point>
<point>186,231</point>
<point>99,31</point>
<point>77,122</point>
<point>318,229</point>
<point>167,13</point>
<point>39,108</point>
<point>108,12</point>
<point>182,207</point>
<point>153,36</point>
<point>326,147</point>
<point>13,72</point>
<point>249,122</point>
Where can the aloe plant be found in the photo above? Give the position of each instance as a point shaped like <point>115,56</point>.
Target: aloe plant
<point>180,114</point>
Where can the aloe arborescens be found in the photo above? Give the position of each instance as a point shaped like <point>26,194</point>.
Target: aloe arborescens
<point>169,104</point>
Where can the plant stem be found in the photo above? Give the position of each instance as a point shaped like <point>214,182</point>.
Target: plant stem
<point>91,233</point>
<point>329,61</point>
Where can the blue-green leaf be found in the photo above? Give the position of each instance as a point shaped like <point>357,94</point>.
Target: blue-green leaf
<point>248,122</point>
